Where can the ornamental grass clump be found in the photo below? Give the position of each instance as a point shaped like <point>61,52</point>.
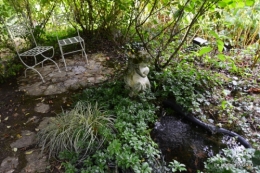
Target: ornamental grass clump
<point>81,131</point>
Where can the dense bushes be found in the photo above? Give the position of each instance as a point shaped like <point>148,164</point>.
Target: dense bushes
<point>126,147</point>
<point>162,26</point>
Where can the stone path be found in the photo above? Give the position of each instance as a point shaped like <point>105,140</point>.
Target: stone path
<point>79,75</point>
<point>36,161</point>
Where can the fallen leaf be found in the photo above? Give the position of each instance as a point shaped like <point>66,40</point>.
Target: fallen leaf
<point>6,135</point>
<point>37,130</point>
<point>15,114</point>
<point>254,90</point>
<point>18,136</point>
<point>28,134</point>
<point>29,152</point>
<point>14,149</point>
<point>8,127</point>
<point>31,119</point>
<point>27,114</point>
<point>39,98</point>
<point>6,118</point>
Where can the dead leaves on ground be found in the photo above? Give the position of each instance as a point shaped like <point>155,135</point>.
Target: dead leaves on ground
<point>254,90</point>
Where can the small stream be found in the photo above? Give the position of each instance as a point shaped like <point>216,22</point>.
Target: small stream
<point>183,141</point>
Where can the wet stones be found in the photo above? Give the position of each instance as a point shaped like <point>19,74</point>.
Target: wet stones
<point>44,123</point>
<point>28,138</point>
<point>78,75</point>
<point>36,162</point>
<point>9,164</point>
<point>42,108</point>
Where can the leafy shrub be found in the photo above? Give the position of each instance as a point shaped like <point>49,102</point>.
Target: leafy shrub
<point>9,69</point>
<point>80,131</point>
<point>107,95</point>
<point>131,149</point>
<point>185,83</point>
<point>238,160</point>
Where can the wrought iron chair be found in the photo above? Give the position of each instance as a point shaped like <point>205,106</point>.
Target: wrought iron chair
<point>26,45</point>
<point>65,22</point>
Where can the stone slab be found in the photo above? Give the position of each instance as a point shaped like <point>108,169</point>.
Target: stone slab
<point>9,164</point>
<point>28,138</point>
<point>44,123</point>
<point>79,75</point>
<point>42,108</point>
<point>36,162</point>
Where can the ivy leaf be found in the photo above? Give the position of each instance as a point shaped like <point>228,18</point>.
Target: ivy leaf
<point>256,158</point>
<point>214,34</point>
<point>204,50</point>
<point>220,44</point>
<point>221,57</point>
<point>250,2</point>
<point>222,4</point>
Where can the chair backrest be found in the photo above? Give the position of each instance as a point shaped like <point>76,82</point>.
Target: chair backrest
<point>20,33</point>
<point>64,21</point>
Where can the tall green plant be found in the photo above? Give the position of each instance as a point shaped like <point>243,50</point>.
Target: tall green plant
<point>100,18</point>
<point>81,131</point>
<point>38,13</point>
<point>8,64</point>
<point>165,26</point>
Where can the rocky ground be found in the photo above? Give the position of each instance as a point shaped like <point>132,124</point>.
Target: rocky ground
<point>27,104</point>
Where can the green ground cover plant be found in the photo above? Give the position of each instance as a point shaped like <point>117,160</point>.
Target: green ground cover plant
<point>234,160</point>
<point>134,118</point>
<point>128,145</point>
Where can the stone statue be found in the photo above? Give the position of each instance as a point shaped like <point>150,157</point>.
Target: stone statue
<point>136,74</point>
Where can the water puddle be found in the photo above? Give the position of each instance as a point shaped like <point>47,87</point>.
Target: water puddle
<point>187,143</point>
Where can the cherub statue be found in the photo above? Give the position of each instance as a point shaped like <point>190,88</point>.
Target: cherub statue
<point>136,75</point>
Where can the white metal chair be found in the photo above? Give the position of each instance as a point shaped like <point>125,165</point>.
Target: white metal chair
<point>62,22</point>
<point>26,45</point>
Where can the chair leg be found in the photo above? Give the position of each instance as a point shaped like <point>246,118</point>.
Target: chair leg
<point>64,61</point>
<point>32,68</point>
<point>46,58</point>
<point>50,58</point>
<point>63,58</point>
<point>83,51</point>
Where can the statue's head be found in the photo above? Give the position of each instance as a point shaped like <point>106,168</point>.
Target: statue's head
<point>137,53</point>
